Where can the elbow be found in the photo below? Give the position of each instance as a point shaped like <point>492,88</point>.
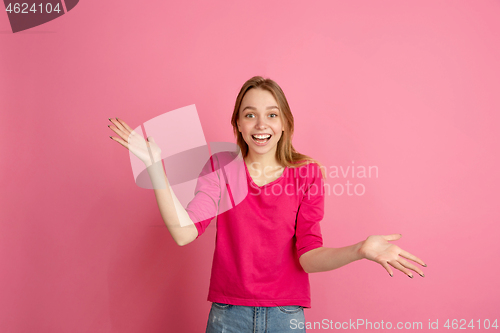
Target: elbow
<point>310,270</point>
<point>309,260</point>
<point>305,266</point>
<point>307,270</point>
<point>183,242</point>
<point>189,234</point>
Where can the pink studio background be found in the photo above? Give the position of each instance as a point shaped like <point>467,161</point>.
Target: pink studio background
<point>411,88</point>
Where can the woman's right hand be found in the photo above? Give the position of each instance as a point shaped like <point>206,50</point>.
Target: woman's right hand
<point>128,138</point>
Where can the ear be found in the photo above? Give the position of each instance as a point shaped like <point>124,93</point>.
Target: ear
<point>238,124</point>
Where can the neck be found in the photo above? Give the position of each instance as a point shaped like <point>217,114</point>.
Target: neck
<point>262,161</point>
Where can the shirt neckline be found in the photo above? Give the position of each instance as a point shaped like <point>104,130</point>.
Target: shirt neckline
<point>274,181</point>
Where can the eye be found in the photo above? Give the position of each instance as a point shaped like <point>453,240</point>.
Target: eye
<point>273,115</point>
<point>249,115</point>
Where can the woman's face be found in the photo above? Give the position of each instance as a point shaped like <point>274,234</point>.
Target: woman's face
<point>260,121</point>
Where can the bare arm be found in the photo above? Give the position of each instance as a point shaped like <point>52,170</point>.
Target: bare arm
<point>375,248</point>
<point>177,220</point>
<point>324,259</point>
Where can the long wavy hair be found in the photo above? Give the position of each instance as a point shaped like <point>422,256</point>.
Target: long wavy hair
<point>285,153</point>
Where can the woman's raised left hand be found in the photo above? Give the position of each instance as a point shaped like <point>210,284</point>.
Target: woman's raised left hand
<point>377,248</point>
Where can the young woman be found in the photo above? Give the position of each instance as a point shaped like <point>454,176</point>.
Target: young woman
<point>268,243</point>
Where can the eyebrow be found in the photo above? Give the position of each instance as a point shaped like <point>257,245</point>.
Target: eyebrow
<point>254,108</point>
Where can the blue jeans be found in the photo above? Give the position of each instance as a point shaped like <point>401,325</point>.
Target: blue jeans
<point>227,318</point>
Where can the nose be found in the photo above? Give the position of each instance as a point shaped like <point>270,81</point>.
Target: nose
<point>261,123</point>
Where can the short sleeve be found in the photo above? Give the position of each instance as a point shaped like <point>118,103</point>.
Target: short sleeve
<point>310,212</point>
<point>204,206</point>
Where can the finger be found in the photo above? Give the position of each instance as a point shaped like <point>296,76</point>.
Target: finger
<point>400,267</point>
<point>392,237</point>
<point>124,124</point>
<point>410,256</point>
<point>119,125</point>
<point>127,128</point>
<point>387,267</point>
<point>131,139</point>
<point>120,141</point>
<point>411,266</point>
<point>131,135</point>
<point>119,132</point>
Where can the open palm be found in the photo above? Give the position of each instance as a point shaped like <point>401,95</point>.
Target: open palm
<point>377,248</point>
<point>147,151</point>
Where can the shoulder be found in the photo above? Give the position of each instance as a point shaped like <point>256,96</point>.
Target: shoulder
<point>307,169</point>
<point>219,159</point>
<point>225,155</point>
<point>223,158</point>
<point>307,164</point>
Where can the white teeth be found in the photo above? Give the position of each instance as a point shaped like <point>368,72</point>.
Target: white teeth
<point>262,136</point>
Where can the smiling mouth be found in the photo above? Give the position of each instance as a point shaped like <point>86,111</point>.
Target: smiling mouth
<point>261,138</point>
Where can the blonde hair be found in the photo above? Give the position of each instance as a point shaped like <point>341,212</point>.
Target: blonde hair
<point>285,152</point>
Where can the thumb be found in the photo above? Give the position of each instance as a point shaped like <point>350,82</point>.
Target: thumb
<point>392,237</point>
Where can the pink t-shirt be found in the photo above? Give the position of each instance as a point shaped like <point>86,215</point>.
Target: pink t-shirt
<point>260,239</point>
